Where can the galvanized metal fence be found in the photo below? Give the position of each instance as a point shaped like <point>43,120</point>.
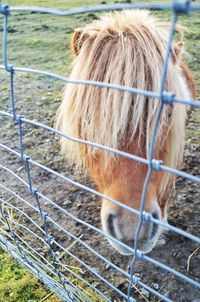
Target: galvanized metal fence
<point>51,270</point>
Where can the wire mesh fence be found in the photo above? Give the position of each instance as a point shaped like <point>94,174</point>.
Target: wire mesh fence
<point>33,234</point>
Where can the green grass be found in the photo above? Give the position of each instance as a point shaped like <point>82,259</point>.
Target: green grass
<point>46,36</point>
<point>17,285</point>
<point>43,42</point>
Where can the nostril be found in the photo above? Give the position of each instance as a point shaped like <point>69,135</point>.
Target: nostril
<point>155,215</point>
<point>154,225</point>
<point>110,224</point>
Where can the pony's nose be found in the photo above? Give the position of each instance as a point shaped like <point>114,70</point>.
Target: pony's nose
<point>114,232</point>
<point>122,226</point>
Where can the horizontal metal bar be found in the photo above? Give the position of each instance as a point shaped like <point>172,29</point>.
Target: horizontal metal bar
<point>22,213</point>
<point>171,270</point>
<point>77,140</point>
<point>108,149</point>
<point>27,229</point>
<point>147,93</point>
<point>18,196</point>
<point>180,173</point>
<point>98,8</point>
<point>84,82</point>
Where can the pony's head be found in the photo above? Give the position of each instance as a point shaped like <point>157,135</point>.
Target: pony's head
<point>125,48</point>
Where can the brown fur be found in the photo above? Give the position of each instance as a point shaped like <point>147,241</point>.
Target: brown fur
<point>125,48</point>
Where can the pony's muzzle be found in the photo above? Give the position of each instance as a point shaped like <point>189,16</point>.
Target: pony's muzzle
<point>122,226</point>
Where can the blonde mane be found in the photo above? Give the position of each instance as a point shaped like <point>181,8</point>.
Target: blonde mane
<point>125,48</point>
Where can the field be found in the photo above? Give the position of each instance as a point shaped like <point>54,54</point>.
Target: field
<point>43,42</point>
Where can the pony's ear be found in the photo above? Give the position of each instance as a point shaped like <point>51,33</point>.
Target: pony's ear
<point>177,52</point>
<point>78,38</point>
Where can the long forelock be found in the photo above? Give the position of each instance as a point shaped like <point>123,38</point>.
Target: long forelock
<point>125,48</point>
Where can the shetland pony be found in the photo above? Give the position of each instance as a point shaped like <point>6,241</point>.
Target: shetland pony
<point>125,48</point>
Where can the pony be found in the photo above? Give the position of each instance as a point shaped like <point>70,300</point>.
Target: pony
<point>125,48</point>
